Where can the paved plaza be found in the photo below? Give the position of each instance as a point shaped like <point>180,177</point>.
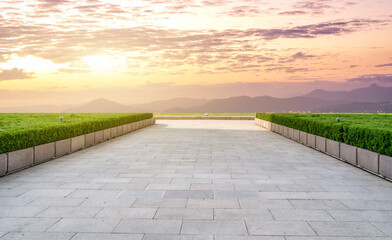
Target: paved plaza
<point>196,180</point>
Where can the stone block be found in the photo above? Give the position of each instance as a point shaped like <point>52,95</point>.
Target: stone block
<point>321,143</point>
<point>20,159</point>
<point>286,131</point>
<point>98,137</point>
<point>106,134</point>
<point>89,140</point>
<point>125,128</point>
<point>44,153</point>
<point>77,143</point>
<point>113,132</point>
<point>386,166</point>
<point>3,164</point>
<point>311,140</point>
<point>280,129</point>
<point>333,148</point>
<point>368,159</point>
<point>296,135</point>
<point>63,147</point>
<point>348,153</point>
<point>303,137</point>
<point>291,133</point>
<point>273,127</point>
<point>131,127</point>
<point>120,130</point>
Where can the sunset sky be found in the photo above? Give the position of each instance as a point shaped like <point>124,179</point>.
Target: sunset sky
<point>129,51</point>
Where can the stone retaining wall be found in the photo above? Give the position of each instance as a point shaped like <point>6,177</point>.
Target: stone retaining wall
<point>371,161</point>
<point>25,158</point>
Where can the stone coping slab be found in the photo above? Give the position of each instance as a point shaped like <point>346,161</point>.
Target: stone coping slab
<point>21,159</point>
<point>371,161</point>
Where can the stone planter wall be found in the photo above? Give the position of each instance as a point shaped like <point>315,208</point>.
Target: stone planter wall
<point>25,158</point>
<point>371,161</point>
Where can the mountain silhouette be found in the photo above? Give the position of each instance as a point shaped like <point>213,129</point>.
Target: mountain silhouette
<point>373,93</point>
<point>102,105</point>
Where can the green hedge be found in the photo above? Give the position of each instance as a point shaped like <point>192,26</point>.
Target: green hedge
<point>20,131</point>
<point>368,131</point>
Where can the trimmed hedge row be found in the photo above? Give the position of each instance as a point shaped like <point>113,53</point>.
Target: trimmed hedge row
<point>26,137</point>
<point>368,131</point>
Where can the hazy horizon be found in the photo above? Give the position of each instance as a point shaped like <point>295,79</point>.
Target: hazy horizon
<point>65,52</point>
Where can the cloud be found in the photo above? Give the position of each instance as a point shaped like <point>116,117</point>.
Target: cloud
<point>293,13</point>
<point>287,69</point>
<point>14,74</point>
<point>313,5</point>
<point>384,65</point>
<point>243,11</point>
<point>373,78</point>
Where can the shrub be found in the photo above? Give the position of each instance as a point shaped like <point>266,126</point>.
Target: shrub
<point>19,131</point>
<point>368,131</point>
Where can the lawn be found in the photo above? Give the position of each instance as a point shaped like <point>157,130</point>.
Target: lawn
<point>24,130</point>
<point>372,131</point>
<point>209,114</point>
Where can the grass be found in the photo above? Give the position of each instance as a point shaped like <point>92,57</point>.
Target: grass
<point>24,130</point>
<point>372,131</point>
<point>209,114</point>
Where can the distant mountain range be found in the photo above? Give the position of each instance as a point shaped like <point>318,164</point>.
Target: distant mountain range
<point>371,99</point>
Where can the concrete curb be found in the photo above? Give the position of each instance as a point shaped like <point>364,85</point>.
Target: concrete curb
<point>18,160</point>
<point>370,161</point>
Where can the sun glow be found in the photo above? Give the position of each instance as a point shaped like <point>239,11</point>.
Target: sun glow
<point>105,63</point>
<point>30,63</point>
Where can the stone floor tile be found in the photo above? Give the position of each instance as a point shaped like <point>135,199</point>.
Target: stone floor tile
<point>47,193</point>
<point>361,215</point>
<point>265,204</point>
<point>184,213</point>
<point>37,236</point>
<point>243,214</point>
<point>236,194</point>
<point>189,194</point>
<point>385,227</point>
<point>70,212</point>
<point>212,203</point>
<point>88,225</point>
<point>345,229</point>
<point>279,228</point>
<point>168,203</point>
<point>20,211</point>
<point>318,204</point>
<point>213,227</point>
<point>168,186</point>
<point>321,238</point>
<point>149,226</point>
<point>238,237</point>
<point>26,224</point>
<point>140,194</point>
<point>301,215</point>
<point>177,237</point>
<point>368,204</point>
<point>123,213</point>
<point>107,236</point>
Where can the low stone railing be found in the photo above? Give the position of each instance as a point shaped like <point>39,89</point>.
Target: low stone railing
<point>371,161</point>
<point>14,161</point>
